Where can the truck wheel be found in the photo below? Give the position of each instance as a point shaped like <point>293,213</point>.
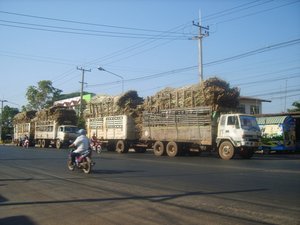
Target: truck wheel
<point>172,149</point>
<point>44,144</point>
<point>226,150</point>
<point>40,143</point>
<point>58,144</point>
<point>159,148</point>
<point>121,147</point>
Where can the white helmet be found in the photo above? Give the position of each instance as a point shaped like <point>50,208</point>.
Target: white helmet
<point>82,132</point>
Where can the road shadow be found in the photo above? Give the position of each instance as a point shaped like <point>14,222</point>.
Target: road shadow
<point>115,171</point>
<point>276,156</point>
<point>2,199</point>
<point>17,220</point>
<point>153,198</point>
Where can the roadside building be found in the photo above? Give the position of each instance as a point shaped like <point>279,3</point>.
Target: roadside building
<point>74,103</point>
<point>250,105</point>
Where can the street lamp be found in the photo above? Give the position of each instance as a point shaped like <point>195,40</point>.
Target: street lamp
<point>102,69</point>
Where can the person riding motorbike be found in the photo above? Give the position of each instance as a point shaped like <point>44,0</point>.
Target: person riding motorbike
<point>94,140</point>
<point>81,143</point>
<point>26,141</point>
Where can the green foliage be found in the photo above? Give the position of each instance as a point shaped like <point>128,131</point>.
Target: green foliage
<point>41,96</point>
<point>297,107</point>
<point>7,119</point>
<point>81,123</point>
<point>271,140</point>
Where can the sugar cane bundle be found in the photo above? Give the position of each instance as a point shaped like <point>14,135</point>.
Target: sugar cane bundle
<point>105,105</point>
<point>212,92</point>
<point>59,114</point>
<point>24,117</point>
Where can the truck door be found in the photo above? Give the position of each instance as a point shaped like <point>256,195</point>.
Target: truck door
<point>60,133</point>
<point>228,126</point>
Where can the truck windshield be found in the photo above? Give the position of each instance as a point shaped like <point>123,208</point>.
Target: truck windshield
<point>71,129</point>
<point>248,122</point>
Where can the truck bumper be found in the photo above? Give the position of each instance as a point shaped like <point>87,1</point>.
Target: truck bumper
<point>249,144</point>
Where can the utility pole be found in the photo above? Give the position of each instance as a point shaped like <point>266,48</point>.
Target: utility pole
<point>203,32</point>
<point>82,83</point>
<point>1,119</point>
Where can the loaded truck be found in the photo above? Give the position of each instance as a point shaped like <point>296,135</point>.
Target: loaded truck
<point>175,121</point>
<point>54,134</point>
<point>22,130</point>
<point>54,126</point>
<point>181,130</point>
<point>24,127</point>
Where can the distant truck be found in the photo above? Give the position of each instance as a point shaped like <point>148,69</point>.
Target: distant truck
<point>278,133</point>
<point>52,133</point>
<point>54,126</point>
<point>24,127</point>
<point>177,131</point>
<point>21,130</point>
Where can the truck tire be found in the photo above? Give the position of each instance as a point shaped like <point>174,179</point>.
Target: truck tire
<point>58,144</point>
<point>226,150</point>
<point>45,143</point>
<point>159,148</point>
<point>121,147</point>
<point>39,143</point>
<point>172,149</point>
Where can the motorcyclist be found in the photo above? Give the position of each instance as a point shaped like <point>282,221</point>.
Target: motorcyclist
<point>81,143</point>
<point>94,140</point>
<point>26,141</point>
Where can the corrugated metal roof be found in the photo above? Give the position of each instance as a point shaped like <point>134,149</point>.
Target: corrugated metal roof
<point>271,120</point>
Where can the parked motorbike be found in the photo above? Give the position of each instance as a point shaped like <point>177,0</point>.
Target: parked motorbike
<point>82,161</point>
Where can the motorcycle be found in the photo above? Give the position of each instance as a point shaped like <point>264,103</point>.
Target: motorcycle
<point>82,161</point>
<point>26,143</point>
<point>96,146</point>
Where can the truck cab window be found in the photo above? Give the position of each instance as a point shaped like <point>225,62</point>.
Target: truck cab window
<point>233,120</point>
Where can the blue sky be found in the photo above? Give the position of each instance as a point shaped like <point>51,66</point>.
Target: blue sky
<point>254,45</point>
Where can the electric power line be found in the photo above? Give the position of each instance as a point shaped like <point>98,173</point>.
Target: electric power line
<point>73,31</point>
<point>239,56</point>
<point>83,23</point>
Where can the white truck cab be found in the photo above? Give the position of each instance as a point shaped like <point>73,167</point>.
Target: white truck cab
<point>237,133</point>
<point>66,134</point>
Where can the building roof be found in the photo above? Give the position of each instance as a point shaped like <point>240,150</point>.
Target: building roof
<point>271,120</point>
<point>254,99</point>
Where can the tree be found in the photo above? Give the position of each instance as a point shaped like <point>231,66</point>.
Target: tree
<point>297,107</point>
<point>7,120</point>
<point>41,96</point>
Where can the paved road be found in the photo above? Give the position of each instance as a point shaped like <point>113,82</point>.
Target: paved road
<point>36,188</point>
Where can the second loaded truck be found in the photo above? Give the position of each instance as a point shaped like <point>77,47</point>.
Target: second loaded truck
<point>177,131</point>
